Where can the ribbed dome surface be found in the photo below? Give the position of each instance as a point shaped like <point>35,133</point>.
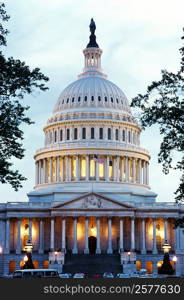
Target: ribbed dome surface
<point>92,91</point>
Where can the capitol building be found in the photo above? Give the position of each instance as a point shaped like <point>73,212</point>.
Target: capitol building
<point>92,198</point>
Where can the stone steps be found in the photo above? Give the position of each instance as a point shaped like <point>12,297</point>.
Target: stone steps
<point>92,263</point>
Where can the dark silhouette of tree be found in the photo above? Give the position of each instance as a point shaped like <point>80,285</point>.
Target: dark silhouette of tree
<point>163,104</point>
<point>16,80</point>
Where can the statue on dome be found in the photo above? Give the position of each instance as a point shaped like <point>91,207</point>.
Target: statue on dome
<point>92,38</point>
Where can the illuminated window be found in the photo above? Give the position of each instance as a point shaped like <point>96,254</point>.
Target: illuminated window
<point>92,168</point>
<point>75,133</point>
<point>101,133</point>
<point>83,167</point>
<point>12,266</point>
<point>74,168</point>
<point>149,267</point>
<point>138,265</point>
<point>83,133</point>
<point>92,133</point>
<point>68,134</point>
<point>117,134</point>
<point>110,169</point>
<point>101,171</point>
<point>109,133</point>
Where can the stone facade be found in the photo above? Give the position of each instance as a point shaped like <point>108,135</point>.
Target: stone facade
<point>91,180</point>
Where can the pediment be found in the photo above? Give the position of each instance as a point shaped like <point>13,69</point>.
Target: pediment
<point>92,201</point>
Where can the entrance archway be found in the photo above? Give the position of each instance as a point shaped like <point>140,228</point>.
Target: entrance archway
<point>92,244</point>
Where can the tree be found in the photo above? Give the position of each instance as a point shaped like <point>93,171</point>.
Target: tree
<point>16,80</point>
<point>163,104</point>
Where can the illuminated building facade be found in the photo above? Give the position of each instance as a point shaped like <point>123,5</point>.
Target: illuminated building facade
<point>92,192</point>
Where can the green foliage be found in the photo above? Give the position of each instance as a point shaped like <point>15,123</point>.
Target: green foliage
<point>163,104</point>
<point>16,80</point>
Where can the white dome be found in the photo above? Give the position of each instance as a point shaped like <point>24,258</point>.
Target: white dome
<point>92,92</point>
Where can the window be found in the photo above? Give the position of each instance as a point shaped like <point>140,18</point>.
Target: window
<point>72,99</point>
<point>75,133</point>
<point>117,134</point>
<point>83,133</point>
<point>99,98</point>
<point>101,133</point>
<point>123,135</point>
<point>92,133</point>
<point>68,134</point>
<point>109,133</point>
<point>92,98</point>
<point>117,100</point>
<point>67,100</point>
<point>85,98</point>
<point>79,99</point>
<point>55,136</point>
<point>61,135</point>
<point>112,100</point>
<point>129,140</point>
<point>105,99</point>
<point>63,101</point>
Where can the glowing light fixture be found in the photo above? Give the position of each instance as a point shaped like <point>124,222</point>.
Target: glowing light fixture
<point>166,247</point>
<point>28,247</point>
<point>1,250</point>
<point>175,258</point>
<point>25,258</point>
<point>92,229</point>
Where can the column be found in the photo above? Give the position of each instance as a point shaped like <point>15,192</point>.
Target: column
<point>41,237</point>
<point>86,250</point>
<point>69,168</point>
<point>121,169</point>
<point>147,173</point>
<point>36,173</point>
<point>66,166</point>
<point>133,170</point>
<point>140,171</point>
<point>121,245</point>
<point>40,171</point>
<point>118,168</point>
<point>98,249</point>
<point>44,170</point>
<point>154,251</point>
<point>109,250</point>
<point>62,168</point>
<point>50,170</point>
<point>18,244</point>
<point>127,169</point>
<point>107,168</point>
<point>165,230</point>
<point>30,229</point>
<point>52,221</point>
<point>77,168</point>
<point>57,169</point>
<point>63,245</point>
<point>144,172</point>
<point>143,244</point>
<point>132,233</point>
<point>75,250</point>
<point>87,167</point>
<point>177,240</point>
<point>7,240</point>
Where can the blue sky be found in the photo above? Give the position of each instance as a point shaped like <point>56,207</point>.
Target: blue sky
<point>138,38</point>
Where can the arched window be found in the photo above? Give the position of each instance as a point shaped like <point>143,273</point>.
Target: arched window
<point>117,100</point>
<point>68,134</point>
<point>73,99</point>
<point>61,135</point>
<point>99,98</point>
<point>79,99</point>
<point>75,133</point>
<point>55,136</point>
<point>117,134</point>
<point>67,100</point>
<point>123,135</point>
<point>92,133</point>
<point>109,133</point>
<point>105,99</point>
<point>84,133</point>
<point>85,98</point>
<point>92,98</point>
<point>101,133</point>
<point>112,100</point>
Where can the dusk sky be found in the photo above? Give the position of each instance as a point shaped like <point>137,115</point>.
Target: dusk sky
<point>138,38</point>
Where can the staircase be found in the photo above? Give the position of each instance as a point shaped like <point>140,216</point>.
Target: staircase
<point>92,263</point>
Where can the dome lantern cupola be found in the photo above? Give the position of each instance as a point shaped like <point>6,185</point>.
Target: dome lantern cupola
<point>92,56</point>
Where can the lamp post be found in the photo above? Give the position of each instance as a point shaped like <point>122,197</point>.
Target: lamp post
<point>129,253</point>
<point>166,267</point>
<point>28,258</point>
